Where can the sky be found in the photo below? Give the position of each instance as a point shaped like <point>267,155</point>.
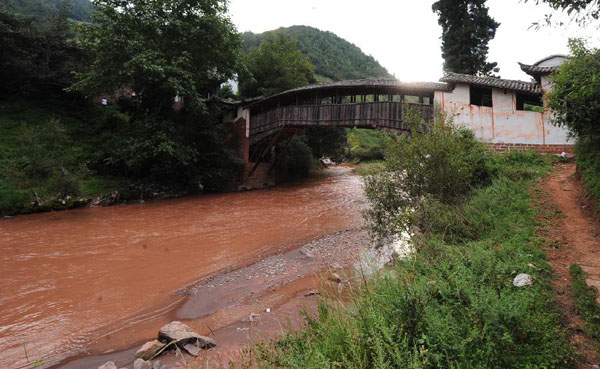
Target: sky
<point>403,35</point>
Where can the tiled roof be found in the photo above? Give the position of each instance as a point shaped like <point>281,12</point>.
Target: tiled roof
<point>506,84</point>
<point>366,83</point>
<point>536,71</point>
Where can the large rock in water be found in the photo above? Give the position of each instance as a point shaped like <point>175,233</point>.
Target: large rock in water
<point>149,350</point>
<point>177,331</point>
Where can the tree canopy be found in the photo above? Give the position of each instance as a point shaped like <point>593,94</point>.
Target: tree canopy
<point>159,49</point>
<point>467,28</point>
<point>36,57</point>
<point>575,97</point>
<point>333,57</point>
<point>275,66</point>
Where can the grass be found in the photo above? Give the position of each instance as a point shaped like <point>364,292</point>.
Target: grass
<point>450,305</point>
<point>584,297</point>
<point>366,145</point>
<point>369,167</point>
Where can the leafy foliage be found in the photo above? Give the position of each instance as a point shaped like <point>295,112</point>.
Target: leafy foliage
<point>575,97</point>
<point>46,10</point>
<point>296,158</point>
<point>575,100</point>
<point>333,57</point>
<point>427,173</point>
<point>581,11</point>
<point>366,145</point>
<point>36,59</point>
<point>467,29</point>
<point>159,50</point>
<point>327,142</point>
<point>273,67</point>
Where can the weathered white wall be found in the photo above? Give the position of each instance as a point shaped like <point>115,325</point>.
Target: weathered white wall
<point>501,123</point>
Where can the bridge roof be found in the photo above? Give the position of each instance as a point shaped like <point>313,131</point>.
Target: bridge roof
<point>492,82</point>
<point>366,85</point>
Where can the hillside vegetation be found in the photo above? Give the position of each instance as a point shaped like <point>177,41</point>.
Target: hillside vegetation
<point>333,57</point>
<point>78,10</point>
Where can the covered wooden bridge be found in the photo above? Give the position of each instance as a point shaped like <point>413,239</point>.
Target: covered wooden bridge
<point>364,103</point>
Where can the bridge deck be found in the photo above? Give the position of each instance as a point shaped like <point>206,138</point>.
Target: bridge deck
<point>381,115</point>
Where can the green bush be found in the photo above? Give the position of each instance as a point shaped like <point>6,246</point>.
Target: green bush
<point>426,174</point>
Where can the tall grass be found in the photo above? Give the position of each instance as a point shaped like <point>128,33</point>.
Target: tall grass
<point>450,305</point>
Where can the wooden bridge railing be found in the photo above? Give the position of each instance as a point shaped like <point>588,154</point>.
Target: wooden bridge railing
<point>386,115</point>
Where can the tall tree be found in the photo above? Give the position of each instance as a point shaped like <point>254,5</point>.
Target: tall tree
<point>467,28</point>
<point>160,49</point>
<point>275,66</point>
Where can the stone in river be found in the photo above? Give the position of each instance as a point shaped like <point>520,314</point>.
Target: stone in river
<point>149,349</point>
<point>142,364</point>
<point>177,331</point>
<point>108,365</point>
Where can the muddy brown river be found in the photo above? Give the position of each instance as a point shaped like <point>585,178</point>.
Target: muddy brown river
<point>70,279</point>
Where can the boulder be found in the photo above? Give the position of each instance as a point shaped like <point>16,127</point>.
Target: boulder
<point>108,365</point>
<point>142,364</point>
<point>149,349</point>
<point>177,331</point>
<point>157,365</point>
<point>523,280</point>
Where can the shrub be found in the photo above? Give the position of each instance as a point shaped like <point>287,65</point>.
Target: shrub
<point>426,174</point>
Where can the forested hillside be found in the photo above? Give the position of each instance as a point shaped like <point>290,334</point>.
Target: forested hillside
<point>79,10</point>
<point>333,57</point>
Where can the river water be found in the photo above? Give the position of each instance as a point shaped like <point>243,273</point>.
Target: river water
<point>66,276</point>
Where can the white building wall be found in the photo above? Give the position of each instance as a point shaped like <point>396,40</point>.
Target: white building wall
<point>501,123</point>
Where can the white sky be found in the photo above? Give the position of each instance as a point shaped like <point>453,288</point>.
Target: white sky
<point>403,35</point>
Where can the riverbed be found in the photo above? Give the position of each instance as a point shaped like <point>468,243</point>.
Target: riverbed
<point>87,281</point>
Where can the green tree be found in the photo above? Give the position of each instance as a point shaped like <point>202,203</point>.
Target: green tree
<point>275,66</point>
<point>467,28</point>
<point>575,97</point>
<point>37,58</point>
<point>160,49</point>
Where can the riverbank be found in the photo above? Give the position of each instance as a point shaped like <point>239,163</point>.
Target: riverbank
<point>119,266</point>
<point>482,299</point>
<point>257,302</point>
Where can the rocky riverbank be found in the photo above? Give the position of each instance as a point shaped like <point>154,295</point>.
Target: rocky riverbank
<point>260,301</point>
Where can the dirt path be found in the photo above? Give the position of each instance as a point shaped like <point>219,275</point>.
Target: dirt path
<point>576,242</point>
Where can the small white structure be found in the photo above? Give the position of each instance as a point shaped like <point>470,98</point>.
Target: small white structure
<point>506,113</point>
